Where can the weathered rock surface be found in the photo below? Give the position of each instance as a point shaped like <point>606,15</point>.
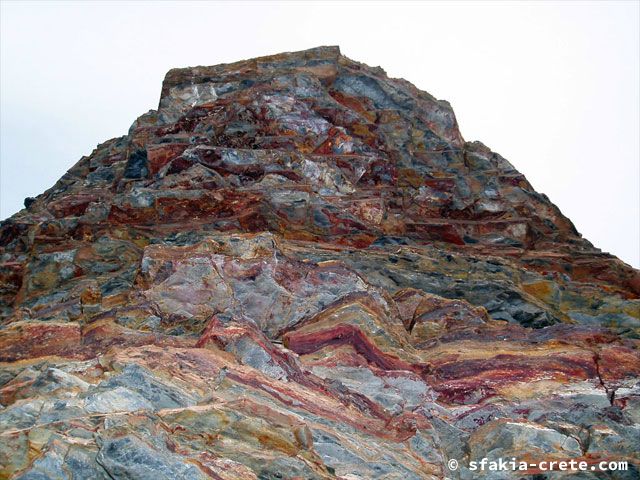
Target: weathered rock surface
<point>297,268</point>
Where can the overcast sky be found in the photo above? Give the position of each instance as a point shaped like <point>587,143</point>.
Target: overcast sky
<point>553,87</point>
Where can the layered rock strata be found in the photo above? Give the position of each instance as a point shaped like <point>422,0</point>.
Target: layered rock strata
<point>295,268</point>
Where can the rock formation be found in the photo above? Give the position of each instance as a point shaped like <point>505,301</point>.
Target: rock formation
<point>297,268</point>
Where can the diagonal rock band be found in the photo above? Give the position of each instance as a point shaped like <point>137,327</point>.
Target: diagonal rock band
<point>296,267</point>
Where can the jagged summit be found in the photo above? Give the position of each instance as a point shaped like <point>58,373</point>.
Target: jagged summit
<point>313,57</point>
<point>296,267</point>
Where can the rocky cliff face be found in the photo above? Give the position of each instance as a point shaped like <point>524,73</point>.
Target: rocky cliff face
<point>297,268</point>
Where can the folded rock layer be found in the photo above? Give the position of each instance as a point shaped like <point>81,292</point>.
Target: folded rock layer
<point>297,268</point>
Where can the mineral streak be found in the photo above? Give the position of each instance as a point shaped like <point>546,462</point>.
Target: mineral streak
<point>297,268</point>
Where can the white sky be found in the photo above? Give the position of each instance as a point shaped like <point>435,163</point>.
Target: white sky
<point>553,87</point>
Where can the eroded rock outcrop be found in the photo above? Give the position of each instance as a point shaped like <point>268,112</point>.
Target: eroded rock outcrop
<point>297,268</point>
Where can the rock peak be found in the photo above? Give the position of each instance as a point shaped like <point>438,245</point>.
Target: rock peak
<point>255,66</point>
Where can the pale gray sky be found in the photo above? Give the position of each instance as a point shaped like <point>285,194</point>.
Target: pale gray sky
<point>553,87</point>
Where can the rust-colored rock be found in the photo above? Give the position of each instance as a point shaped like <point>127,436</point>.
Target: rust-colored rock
<point>296,267</point>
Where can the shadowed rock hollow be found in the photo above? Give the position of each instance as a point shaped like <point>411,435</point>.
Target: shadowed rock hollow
<point>296,267</point>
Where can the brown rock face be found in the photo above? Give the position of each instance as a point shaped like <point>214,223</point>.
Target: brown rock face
<point>297,268</point>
